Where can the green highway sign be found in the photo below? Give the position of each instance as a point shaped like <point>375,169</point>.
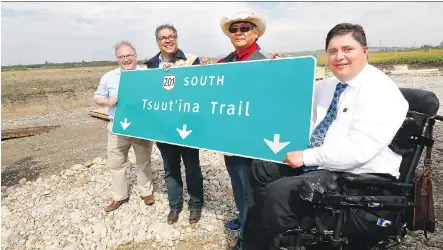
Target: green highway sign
<point>257,109</point>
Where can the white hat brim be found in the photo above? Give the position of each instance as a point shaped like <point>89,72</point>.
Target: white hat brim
<point>254,18</point>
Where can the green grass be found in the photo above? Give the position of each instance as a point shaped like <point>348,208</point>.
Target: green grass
<point>34,91</point>
<point>400,57</point>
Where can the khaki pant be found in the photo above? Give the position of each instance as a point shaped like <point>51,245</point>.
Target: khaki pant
<point>118,149</point>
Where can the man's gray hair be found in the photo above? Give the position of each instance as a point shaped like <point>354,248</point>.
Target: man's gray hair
<point>122,43</point>
<point>165,26</point>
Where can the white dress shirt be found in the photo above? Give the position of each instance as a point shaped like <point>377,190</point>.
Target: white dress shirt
<point>160,60</point>
<point>370,112</point>
<point>108,87</point>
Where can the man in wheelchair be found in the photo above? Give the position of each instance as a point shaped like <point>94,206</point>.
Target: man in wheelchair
<point>351,188</point>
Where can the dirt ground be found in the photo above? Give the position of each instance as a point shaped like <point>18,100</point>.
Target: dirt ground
<point>79,138</point>
<point>43,91</point>
<point>50,97</point>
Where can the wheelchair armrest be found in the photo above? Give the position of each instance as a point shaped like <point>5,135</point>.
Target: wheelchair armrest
<point>372,180</point>
<point>327,195</point>
<point>437,117</point>
<point>363,178</point>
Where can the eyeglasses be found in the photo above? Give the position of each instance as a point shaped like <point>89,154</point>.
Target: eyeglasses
<point>125,56</point>
<point>243,29</point>
<point>164,38</point>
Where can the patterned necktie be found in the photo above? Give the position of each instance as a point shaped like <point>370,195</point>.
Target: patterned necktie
<point>319,133</point>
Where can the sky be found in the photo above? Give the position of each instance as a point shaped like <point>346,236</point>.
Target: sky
<point>57,32</point>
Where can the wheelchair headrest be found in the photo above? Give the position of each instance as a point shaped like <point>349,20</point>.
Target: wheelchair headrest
<point>422,101</point>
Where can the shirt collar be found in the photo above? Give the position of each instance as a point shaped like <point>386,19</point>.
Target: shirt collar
<point>120,69</point>
<point>358,79</point>
<point>242,55</point>
<point>178,54</point>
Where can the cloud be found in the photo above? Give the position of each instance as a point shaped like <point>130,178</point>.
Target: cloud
<point>13,13</point>
<point>392,24</point>
<point>76,31</point>
<point>87,21</point>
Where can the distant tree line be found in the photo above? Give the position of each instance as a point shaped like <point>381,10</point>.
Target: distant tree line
<point>63,65</point>
<point>432,47</point>
<point>114,63</point>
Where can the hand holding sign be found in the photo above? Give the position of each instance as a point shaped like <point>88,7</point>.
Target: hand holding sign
<point>276,55</point>
<point>294,159</point>
<point>205,61</point>
<point>112,101</point>
<point>166,66</point>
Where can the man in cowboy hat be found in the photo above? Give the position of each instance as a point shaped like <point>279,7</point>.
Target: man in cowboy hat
<point>243,29</point>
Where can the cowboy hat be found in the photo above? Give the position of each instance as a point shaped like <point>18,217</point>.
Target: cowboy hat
<point>251,17</point>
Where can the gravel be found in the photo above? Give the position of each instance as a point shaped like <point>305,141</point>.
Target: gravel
<point>78,139</point>
<point>64,209</point>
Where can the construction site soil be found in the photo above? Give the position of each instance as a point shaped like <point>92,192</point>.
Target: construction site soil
<point>64,97</point>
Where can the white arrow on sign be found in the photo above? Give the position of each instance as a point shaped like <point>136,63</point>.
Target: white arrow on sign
<point>183,132</point>
<point>276,145</point>
<point>125,124</point>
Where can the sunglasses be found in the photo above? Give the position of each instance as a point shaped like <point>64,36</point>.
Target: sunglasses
<point>243,29</point>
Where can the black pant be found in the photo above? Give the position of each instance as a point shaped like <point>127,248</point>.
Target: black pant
<point>172,155</point>
<point>275,205</point>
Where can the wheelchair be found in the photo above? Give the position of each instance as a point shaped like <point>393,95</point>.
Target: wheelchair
<point>368,211</point>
